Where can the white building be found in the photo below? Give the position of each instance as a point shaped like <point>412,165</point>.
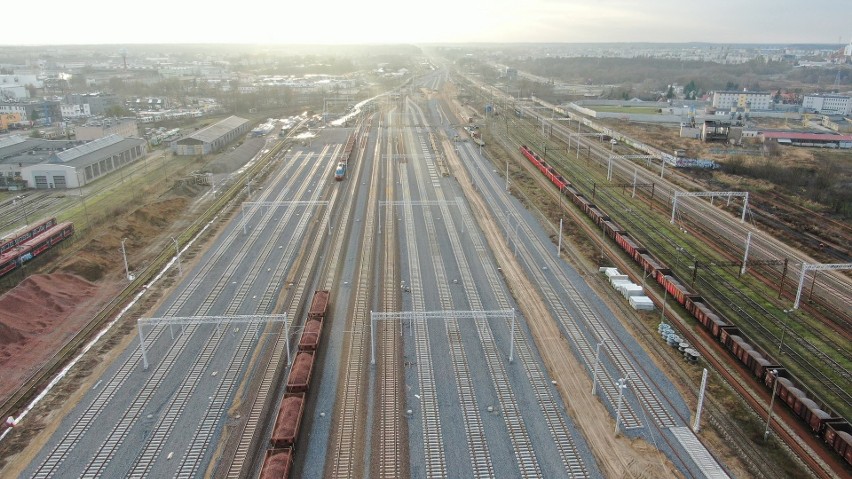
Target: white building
<point>75,111</point>
<point>754,100</point>
<point>85,163</point>
<point>827,104</point>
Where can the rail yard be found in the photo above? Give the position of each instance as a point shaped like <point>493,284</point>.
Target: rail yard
<point>384,301</point>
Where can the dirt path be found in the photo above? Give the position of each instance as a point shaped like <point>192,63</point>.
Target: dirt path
<point>616,456</point>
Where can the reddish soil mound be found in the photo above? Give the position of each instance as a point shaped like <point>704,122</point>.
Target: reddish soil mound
<point>36,316</point>
<point>9,335</point>
<point>159,214</point>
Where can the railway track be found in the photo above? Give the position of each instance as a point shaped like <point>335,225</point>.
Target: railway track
<point>193,458</point>
<point>755,404</point>
<point>664,419</point>
<point>259,416</point>
<point>511,411</point>
<point>475,436</point>
<point>347,441</point>
<point>521,443</point>
<point>490,201</point>
<point>753,314</point>
<point>831,291</point>
<point>106,452</point>
<point>176,405</point>
<point>391,460</point>
<point>574,466</point>
<point>430,419</point>
<point>32,385</point>
<point>581,179</point>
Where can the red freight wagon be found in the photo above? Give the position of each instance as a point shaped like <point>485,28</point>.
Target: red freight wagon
<point>319,304</point>
<point>838,435</point>
<point>300,373</point>
<point>289,419</point>
<point>310,335</point>
<point>277,464</point>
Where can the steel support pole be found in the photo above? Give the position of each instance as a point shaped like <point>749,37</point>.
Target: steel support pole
<point>578,138</point>
<point>597,365</point>
<point>774,372</point>
<point>745,253</point>
<point>507,175</point>
<point>745,207</point>
<point>635,172</point>
<point>124,255</point>
<point>512,339</point>
<point>674,207</point>
<point>177,255</point>
<point>696,426</point>
<point>621,387</point>
<point>243,212</point>
<point>142,346</point>
<point>559,246</point>
<point>801,285</point>
<point>372,339</point>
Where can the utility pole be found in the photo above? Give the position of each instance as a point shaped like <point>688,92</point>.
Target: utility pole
<point>129,276</point>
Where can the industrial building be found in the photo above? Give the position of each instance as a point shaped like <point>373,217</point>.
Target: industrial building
<point>17,151</point>
<point>823,140</point>
<point>46,164</point>
<point>211,139</point>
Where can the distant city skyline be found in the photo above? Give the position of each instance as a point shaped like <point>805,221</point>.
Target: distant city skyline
<point>437,21</point>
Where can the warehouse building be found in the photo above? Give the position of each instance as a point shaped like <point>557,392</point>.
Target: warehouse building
<point>83,164</point>
<point>820,140</point>
<point>211,139</point>
<point>17,151</point>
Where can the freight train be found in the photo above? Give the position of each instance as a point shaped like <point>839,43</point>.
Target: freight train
<point>18,254</point>
<point>285,433</point>
<point>343,160</point>
<point>835,431</point>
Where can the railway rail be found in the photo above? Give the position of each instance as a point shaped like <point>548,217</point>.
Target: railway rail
<point>672,247</point>
<point>391,461</point>
<point>490,199</point>
<point>107,450</point>
<point>595,235</point>
<point>831,290</point>
<point>346,444</point>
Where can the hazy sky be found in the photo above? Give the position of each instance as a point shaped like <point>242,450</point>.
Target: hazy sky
<point>429,21</point>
